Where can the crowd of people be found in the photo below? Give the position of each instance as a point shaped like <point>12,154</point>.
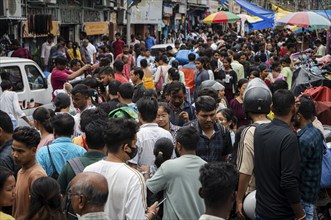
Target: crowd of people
<point>133,136</point>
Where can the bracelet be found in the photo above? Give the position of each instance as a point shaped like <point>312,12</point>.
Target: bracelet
<point>301,217</point>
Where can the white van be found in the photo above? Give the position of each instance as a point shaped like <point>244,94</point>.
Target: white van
<point>29,83</point>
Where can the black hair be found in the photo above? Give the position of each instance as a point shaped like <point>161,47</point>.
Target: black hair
<point>143,63</point>
<point>107,70</point>
<point>5,173</point>
<point>43,201</point>
<point>241,82</point>
<point>282,102</point>
<point>286,59</point>
<point>229,116</point>
<point>163,150</point>
<point>6,85</point>
<point>165,107</point>
<point>237,56</point>
<point>191,57</point>
<point>218,182</point>
<point>263,57</point>
<point>30,137</point>
<point>201,60</point>
<point>118,65</point>
<point>139,71</point>
<point>228,59</point>
<point>147,108</point>
<point>5,123</point>
<point>61,101</point>
<point>61,61</point>
<point>126,90</point>
<point>275,65</point>
<point>209,92</point>
<point>175,87</point>
<point>173,74</point>
<point>278,84</point>
<point>63,125</point>
<point>90,115</point>
<point>306,108</point>
<point>82,89</point>
<point>175,64</point>
<point>74,62</point>
<point>164,59</point>
<point>94,133</point>
<point>91,82</point>
<point>262,67</point>
<point>205,103</point>
<point>44,116</point>
<point>113,87</point>
<point>119,131</point>
<point>104,62</point>
<point>188,137</point>
<point>150,93</point>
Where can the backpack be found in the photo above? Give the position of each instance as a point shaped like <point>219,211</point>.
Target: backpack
<point>124,112</point>
<point>76,165</point>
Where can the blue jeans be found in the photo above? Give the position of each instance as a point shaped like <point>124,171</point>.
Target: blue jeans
<point>309,209</point>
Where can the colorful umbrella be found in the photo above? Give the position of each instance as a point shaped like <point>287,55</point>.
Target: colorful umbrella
<point>305,19</point>
<point>250,19</point>
<point>221,17</point>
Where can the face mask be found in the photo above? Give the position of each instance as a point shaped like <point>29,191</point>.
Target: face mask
<point>133,153</point>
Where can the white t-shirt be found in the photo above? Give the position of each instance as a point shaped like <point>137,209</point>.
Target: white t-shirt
<point>147,135</point>
<point>10,104</point>
<point>127,190</point>
<point>91,50</point>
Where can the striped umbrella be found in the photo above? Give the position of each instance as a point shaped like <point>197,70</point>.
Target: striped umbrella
<point>304,19</point>
<point>221,17</point>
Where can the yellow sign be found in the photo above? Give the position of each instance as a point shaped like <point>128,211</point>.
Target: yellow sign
<point>54,30</point>
<point>96,28</point>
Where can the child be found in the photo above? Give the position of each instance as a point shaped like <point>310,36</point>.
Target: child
<point>286,71</point>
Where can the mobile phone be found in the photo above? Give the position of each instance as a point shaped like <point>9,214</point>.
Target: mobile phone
<point>162,201</point>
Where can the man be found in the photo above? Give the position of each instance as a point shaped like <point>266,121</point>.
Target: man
<point>237,67</point>
<point>88,195</point>
<point>81,100</point>
<point>181,110</point>
<point>256,104</point>
<point>214,142</point>
<point>60,75</point>
<point>219,181</point>
<point>19,51</point>
<point>113,89</point>
<point>145,54</point>
<point>320,48</point>
<point>6,140</point>
<point>46,49</point>
<point>92,52</point>
<point>311,155</point>
<point>118,68</point>
<point>137,80</point>
<point>96,151</point>
<point>189,70</point>
<point>131,62</point>
<point>54,156</point>
<point>277,163</point>
<point>149,132</point>
<point>125,93</point>
<point>24,147</point>
<point>86,58</point>
<point>133,41</point>
<point>127,196</point>
<point>118,45</point>
<point>149,41</point>
<point>200,75</point>
<point>178,179</point>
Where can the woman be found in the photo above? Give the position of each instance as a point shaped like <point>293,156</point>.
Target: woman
<point>161,72</point>
<point>237,104</point>
<point>228,78</point>
<point>276,69</point>
<point>163,120</point>
<point>45,200</point>
<point>7,191</point>
<point>73,51</point>
<point>264,74</point>
<point>42,121</point>
<point>148,75</point>
<point>226,117</point>
<point>62,103</point>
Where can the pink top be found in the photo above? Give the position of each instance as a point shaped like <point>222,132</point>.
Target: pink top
<point>58,78</point>
<point>279,77</point>
<point>47,140</point>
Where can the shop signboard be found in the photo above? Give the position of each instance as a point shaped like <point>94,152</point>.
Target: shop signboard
<point>147,12</point>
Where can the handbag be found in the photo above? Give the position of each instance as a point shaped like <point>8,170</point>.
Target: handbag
<point>159,84</point>
<point>326,167</point>
<point>55,174</point>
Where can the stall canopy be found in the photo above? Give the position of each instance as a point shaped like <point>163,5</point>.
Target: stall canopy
<point>266,15</point>
<point>324,13</point>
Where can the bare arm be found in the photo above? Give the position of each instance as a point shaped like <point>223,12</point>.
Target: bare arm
<point>79,72</point>
<point>242,187</point>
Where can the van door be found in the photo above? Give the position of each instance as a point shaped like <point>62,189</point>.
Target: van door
<point>13,73</point>
<point>40,94</point>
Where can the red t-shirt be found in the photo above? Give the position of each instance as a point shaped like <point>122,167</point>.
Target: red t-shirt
<point>118,47</point>
<point>120,77</point>
<point>58,78</point>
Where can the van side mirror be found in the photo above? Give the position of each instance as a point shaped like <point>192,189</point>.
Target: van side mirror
<point>45,83</point>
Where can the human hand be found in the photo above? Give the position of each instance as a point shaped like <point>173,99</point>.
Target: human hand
<point>239,211</point>
<point>87,66</point>
<point>184,116</point>
<point>153,209</point>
